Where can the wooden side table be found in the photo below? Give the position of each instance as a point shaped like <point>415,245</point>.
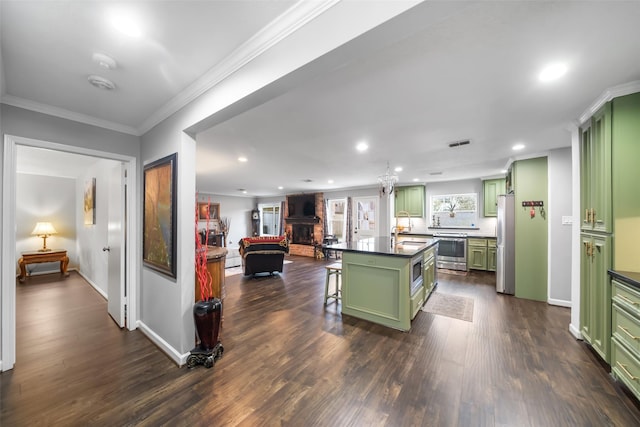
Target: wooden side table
<point>35,257</point>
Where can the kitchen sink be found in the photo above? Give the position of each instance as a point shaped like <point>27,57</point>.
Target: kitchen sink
<point>411,243</point>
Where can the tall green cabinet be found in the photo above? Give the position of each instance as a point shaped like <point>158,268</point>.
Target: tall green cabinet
<point>596,227</point>
<point>491,189</point>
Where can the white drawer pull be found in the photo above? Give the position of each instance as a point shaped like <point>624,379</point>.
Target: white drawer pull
<point>627,300</point>
<point>626,331</point>
<point>626,372</point>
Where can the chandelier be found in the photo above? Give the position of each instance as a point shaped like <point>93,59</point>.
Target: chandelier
<point>387,182</point>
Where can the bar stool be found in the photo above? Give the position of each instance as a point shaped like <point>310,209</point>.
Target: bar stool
<point>334,269</point>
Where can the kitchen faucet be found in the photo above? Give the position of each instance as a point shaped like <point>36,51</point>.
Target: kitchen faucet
<point>395,229</point>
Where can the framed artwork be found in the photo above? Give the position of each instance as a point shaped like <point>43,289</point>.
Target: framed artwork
<point>212,208</point>
<point>159,228</point>
<point>90,202</point>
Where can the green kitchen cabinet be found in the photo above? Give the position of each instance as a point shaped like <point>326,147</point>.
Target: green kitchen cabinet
<point>491,255</point>
<point>595,172</point>
<point>492,188</point>
<point>595,292</point>
<point>476,254</point>
<point>429,263</point>
<point>410,199</point>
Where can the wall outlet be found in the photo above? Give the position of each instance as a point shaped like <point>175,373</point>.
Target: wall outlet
<point>567,220</point>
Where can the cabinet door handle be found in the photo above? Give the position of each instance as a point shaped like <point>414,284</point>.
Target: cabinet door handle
<point>587,216</point>
<point>627,300</point>
<point>626,331</point>
<point>593,216</point>
<point>626,372</point>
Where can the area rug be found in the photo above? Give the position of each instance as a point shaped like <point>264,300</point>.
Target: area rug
<point>232,271</point>
<point>450,305</point>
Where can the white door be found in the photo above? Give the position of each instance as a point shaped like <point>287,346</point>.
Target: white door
<point>365,217</point>
<point>115,246</point>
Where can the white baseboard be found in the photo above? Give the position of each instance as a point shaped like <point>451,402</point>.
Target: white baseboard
<point>575,331</point>
<point>559,302</point>
<point>179,359</point>
<point>94,286</point>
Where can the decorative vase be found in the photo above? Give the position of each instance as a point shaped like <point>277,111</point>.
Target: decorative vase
<point>207,315</point>
<point>452,214</point>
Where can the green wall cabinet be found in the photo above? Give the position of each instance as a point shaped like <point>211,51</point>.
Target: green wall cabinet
<point>595,292</point>
<point>410,199</point>
<point>492,188</point>
<point>595,172</point>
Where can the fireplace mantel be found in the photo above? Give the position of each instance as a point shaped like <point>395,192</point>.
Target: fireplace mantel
<point>300,220</point>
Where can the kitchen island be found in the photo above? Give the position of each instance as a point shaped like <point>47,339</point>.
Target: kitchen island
<point>386,284</point>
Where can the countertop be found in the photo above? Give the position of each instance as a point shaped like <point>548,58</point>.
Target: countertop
<point>382,246</point>
<point>430,234</point>
<point>629,277</point>
<point>215,252</point>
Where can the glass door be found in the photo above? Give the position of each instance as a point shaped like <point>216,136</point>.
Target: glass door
<point>365,217</point>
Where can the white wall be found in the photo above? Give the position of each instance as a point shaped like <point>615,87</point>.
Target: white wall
<point>46,198</point>
<point>560,205</point>
<point>92,260</point>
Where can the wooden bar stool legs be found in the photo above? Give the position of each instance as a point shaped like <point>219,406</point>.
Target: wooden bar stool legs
<point>334,269</point>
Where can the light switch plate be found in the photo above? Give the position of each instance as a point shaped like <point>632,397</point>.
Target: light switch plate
<point>567,220</point>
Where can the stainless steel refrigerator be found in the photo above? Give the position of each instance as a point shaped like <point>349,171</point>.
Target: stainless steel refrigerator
<point>506,241</point>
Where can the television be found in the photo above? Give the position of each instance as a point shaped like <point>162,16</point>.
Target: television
<point>302,206</point>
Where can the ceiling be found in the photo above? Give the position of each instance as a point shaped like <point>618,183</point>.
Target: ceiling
<point>441,72</point>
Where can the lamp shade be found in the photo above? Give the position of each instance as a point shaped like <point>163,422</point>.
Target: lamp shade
<point>44,229</point>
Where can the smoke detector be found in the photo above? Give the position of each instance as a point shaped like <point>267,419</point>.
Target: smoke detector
<point>101,82</point>
<point>104,61</point>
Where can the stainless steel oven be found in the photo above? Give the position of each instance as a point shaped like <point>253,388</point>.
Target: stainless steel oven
<point>452,251</point>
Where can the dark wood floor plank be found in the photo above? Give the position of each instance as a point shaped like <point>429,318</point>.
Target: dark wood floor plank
<point>292,361</point>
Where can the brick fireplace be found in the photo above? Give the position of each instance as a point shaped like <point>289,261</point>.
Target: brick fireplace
<point>304,222</point>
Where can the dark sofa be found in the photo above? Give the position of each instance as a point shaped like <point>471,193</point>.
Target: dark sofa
<point>263,254</point>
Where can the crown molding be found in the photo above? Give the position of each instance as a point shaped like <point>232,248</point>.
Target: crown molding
<point>291,20</point>
<point>66,114</point>
<point>608,95</point>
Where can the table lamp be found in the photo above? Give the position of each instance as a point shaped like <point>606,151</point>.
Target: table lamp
<point>44,230</point>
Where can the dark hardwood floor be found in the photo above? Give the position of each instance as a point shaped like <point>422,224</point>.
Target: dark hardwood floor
<point>289,360</point>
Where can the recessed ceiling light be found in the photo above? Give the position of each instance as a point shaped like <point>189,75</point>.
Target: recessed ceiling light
<point>416,179</point>
<point>552,72</point>
<point>126,23</point>
<point>330,181</point>
<point>398,169</point>
<point>244,192</point>
<point>242,159</point>
<point>362,146</point>
<point>281,188</point>
<point>503,171</point>
<point>518,147</point>
<point>101,82</point>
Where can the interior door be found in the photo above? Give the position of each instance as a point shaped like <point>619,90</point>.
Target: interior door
<point>115,248</point>
<point>365,218</point>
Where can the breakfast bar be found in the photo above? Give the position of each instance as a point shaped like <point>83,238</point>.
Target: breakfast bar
<point>386,283</point>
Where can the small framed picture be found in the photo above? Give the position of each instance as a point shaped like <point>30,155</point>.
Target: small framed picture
<point>213,209</point>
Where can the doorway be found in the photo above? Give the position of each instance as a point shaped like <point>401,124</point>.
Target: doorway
<point>127,248</point>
